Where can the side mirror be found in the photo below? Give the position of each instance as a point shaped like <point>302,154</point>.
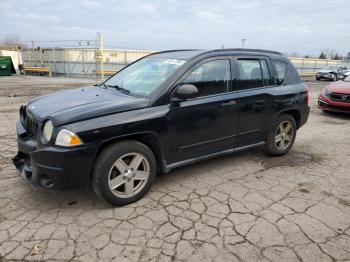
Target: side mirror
<point>185,91</point>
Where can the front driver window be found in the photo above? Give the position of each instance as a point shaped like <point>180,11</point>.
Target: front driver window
<point>211,78</point>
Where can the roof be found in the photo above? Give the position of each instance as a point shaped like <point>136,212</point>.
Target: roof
<point>190,53</point>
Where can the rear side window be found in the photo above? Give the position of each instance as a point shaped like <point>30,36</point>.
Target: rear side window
<point>249,74</point>
<point>211,78</point>
<point>253,73</point>
<point>280,70</point>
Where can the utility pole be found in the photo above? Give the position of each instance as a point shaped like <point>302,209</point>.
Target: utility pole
<point>33,55</point>
<point>243,41</point>
<point>100,46</point>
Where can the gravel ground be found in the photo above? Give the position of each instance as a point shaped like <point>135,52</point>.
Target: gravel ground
<point>242,207</point>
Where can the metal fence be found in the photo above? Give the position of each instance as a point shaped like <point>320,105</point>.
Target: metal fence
<point>81,62</point>
<point>96,62</point>
<point>309,66</point>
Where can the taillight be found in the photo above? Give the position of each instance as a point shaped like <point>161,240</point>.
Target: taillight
<point>308,95</point>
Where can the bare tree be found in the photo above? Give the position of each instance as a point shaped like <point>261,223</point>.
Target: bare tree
<point>12,40</point>
<point>294,54</point>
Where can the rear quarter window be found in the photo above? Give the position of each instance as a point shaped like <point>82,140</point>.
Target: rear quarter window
<point>286,73</point>
<point>280,68</point>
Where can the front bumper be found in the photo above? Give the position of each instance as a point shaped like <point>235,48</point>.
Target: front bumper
<point>326,104</point>
<point>51,166</point>
<point>324,76</point>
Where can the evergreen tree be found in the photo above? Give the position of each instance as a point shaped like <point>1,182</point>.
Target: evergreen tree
<point>322,56</point>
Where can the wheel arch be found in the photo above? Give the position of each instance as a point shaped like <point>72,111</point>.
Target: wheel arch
<point>150,139</point>
<point>295,113</point>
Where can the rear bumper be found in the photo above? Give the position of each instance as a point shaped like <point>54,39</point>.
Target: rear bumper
<point>326,104</point>
<point>304,115</point>
<point>53,167</point>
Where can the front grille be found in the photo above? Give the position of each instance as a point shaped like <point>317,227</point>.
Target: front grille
<point>340,97</point>
<point>341,108</point>
<point>29,123</point>
<point>32,126</point>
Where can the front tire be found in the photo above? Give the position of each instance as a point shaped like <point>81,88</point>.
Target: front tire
<point>282,135</point>
<point>124,172</point>
<point>334,77</point>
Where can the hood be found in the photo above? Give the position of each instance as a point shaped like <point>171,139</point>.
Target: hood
<point>82,103</point>
<point>324,71</point>
<point>340,87</point>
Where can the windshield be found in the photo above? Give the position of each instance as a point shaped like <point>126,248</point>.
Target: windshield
<point>144,76</point>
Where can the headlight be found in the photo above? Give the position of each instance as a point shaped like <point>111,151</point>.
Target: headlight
<point>326,92</point>
<point>47,130</point>
<point>67,138</point>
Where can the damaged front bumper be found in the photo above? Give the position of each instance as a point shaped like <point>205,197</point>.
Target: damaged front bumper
<point>51,166</point>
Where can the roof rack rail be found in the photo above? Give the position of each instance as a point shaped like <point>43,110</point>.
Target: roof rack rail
<point>176,50</point>
<point>248,50</point>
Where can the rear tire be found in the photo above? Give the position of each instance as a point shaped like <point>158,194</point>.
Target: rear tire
<point>282,135</point>
<point>318,79</point>
<point>124,172</point>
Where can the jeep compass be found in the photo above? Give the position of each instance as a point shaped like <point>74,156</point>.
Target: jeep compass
<point>166,110</point>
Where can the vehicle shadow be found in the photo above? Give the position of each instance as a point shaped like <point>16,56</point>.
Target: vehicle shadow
<point>232,166</point>
<point>86,199</point>
<point>338,116</point>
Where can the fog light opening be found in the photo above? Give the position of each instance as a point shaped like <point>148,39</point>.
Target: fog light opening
<point>47,183</point>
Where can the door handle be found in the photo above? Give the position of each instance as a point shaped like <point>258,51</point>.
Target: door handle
<point>229,103</point>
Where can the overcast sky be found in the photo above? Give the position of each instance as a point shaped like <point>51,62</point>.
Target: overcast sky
<point>302,26</point>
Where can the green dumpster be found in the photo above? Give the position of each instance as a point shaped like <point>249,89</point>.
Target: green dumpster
<point>6,66</point>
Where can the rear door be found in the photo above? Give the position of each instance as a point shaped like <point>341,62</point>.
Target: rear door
<point>254,100</point>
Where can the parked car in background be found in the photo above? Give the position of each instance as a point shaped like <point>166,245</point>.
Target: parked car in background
<point>346,74</point>
<point>336,97</point>
<point>332,73</point>
<point>166,110</point>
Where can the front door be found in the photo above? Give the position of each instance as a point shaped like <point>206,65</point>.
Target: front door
<point>206,124</point>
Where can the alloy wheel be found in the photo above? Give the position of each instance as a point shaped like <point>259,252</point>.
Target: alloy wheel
<point>284,135</point>
<point>129,175</point>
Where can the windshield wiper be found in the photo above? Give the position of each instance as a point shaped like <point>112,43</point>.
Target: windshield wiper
<point>119,88</point>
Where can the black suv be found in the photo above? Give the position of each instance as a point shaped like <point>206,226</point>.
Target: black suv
<point>163,111</point>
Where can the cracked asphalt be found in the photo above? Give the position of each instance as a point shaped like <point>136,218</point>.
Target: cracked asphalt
<point>242,207</point>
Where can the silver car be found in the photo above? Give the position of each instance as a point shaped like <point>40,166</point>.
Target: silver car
<point>332,73</point>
